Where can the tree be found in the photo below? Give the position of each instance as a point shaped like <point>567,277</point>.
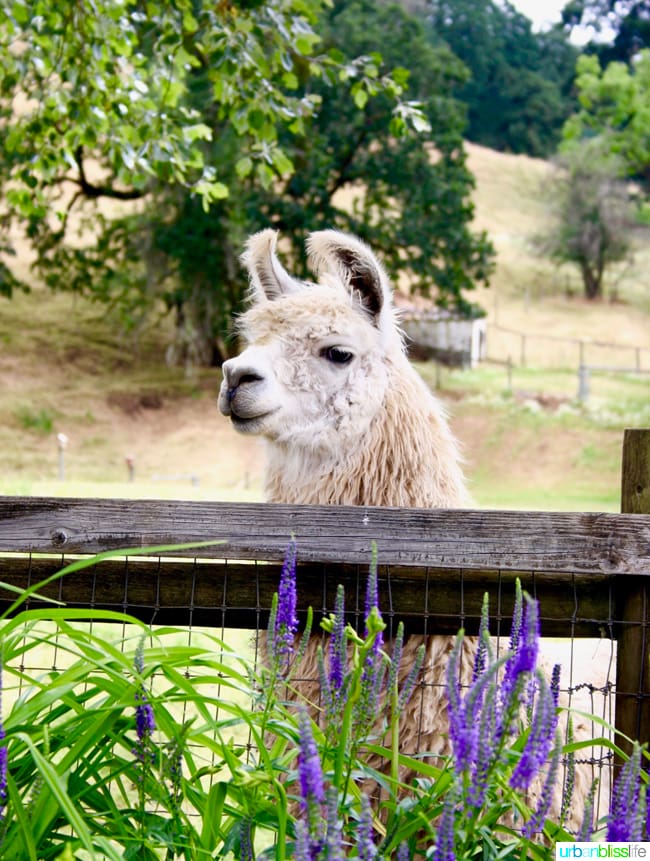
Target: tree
<point>615,106</point>
<point>519,91</point>
<point>413,194</point>
<point>223,118</point>
<point>591,214</point>
<point>626,22</point>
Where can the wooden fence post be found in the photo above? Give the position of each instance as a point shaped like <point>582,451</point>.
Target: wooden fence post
<point>633,602</point>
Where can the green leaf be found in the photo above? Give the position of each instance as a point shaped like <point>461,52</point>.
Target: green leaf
<point>200,131</point>
<point>360,97</point>
<point>281,162</point>
<point>56,783</point>
<point>244,166</point>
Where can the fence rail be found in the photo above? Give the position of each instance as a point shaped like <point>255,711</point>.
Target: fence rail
<point>581,351</point>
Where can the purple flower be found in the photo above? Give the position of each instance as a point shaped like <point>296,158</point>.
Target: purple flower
<point>337,645</point>
<point>445,846</point>
<point>145,724</point>
<point>335,850</point>
<point>374,670</point>
<point>536,821</point>
<point>286,620</point>
<point>403,853</point>
<point>302,849</point>
<point>483,635</point>
<point>627,811</point>
<point>463,728</point>
<point>310,773</point>
<point>517,613</point>
<point>366,849</point>
<point>524,659</point>
<point>245,842</point>
<point>372,600</point>
<point>540,738</point>
<point>522,662</point>
<point>555,683</point>
<point>486,749</point>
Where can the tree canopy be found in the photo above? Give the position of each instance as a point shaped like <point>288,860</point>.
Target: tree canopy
<point>627,22</point>
<point>220,119</point>
<point>519,90</point>
<point>615,106</point>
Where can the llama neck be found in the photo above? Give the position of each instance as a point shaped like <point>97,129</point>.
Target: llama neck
<point>408,459</point>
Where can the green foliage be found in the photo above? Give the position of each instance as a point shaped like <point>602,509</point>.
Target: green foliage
<point>223,119</point>
<point>411,193</point>
<point>519,90</point>
<point>623,26</point>
<point>110,80</point>
<point>41,421</point>
<point>615,106</point>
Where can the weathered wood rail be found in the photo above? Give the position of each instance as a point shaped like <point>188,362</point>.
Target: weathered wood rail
<point>589,570</point>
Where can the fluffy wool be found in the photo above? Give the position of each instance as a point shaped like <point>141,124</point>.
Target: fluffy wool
<point>325,380</point>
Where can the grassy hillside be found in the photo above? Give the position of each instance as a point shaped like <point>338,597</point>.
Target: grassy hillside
<point>66,368</point>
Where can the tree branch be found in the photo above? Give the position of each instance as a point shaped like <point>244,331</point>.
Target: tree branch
<point>94,191</point>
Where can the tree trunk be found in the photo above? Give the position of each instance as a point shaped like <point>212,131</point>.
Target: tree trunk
<point>592,280</point>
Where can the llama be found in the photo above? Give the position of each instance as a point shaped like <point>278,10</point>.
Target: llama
<point>347,420</point>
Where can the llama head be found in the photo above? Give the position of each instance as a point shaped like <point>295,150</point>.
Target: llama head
<point>315,367</point>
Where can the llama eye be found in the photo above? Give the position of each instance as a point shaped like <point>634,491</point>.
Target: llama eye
<point>337,355</point>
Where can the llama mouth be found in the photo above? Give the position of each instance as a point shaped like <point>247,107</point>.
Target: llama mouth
<point>248,424</point>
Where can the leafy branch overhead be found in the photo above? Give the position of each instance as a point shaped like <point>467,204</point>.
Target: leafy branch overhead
<point>110,80</point>
<point>219,119</point>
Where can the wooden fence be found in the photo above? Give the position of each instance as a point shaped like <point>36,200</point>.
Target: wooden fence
<point>627,358</point>
<point>590,571</point>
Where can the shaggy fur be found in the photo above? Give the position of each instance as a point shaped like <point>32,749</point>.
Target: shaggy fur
<point>325,380</point>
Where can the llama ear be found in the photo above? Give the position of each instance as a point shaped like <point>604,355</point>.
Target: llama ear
<point>354,263</point>
<point>268,277</point>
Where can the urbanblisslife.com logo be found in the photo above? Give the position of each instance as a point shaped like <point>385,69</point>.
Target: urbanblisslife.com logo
<point>602,850</point>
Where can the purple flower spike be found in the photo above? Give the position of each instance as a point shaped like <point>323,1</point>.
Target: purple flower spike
<point>483,634</point>
<point>517,615</point>
<point>335,851</point>
<point>626,814</point>
<point>403,853</point>
<point>145,723</point>
<point>337,645</point>
<point>372,599</point>
<point>366,849</point>
<point>445,847</point>
<point>540,738</point>
<point>286,621</point>
<point>310,773</point>
<point>536,821</point>
<point>245,842</point>
<point>555,683</point>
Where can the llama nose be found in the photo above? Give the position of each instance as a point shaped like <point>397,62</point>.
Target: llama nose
<point>236,376</point>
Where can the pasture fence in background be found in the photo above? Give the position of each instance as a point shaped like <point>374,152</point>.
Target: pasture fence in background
<point>589,571</point>
<point>556,351</point>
